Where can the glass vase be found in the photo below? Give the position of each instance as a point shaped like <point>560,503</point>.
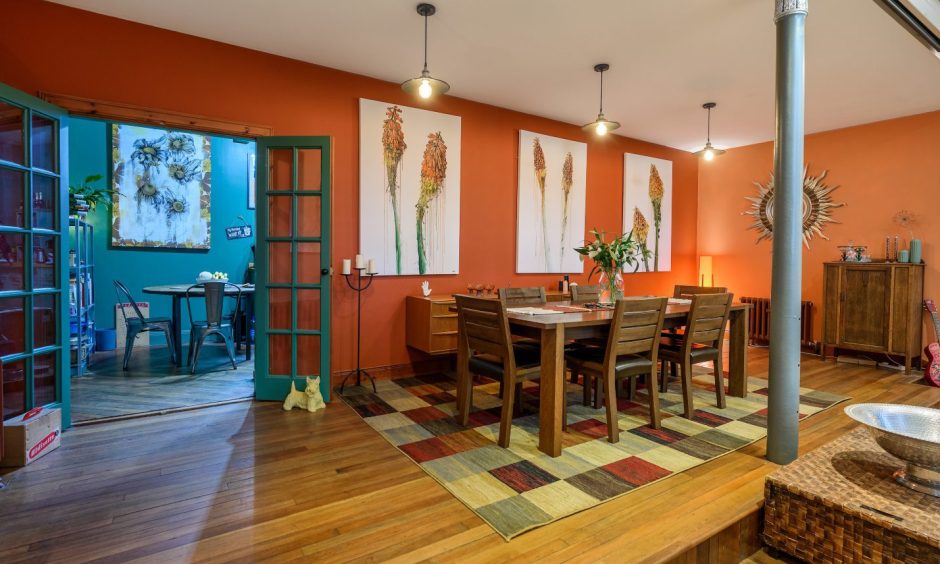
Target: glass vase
<point>610,285</point>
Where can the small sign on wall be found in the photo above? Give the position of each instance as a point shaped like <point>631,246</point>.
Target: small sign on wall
<point>238,232</point>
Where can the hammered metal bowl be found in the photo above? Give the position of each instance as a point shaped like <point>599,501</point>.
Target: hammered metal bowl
<point>910,433</point>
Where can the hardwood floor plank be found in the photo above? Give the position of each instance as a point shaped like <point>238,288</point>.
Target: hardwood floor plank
<point>249,481</point>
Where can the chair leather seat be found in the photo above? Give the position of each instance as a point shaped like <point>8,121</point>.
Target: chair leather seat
<point>670,348</point>
<point>489,365</point>
<point>593,359</point>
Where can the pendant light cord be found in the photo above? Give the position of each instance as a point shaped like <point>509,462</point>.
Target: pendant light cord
<point>425,43</point>
<point>602,92</point>
<point>708,131</point>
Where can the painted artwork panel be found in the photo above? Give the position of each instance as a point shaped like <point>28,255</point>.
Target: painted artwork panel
<point>647,208</point>
<point>551,203</point>
<point>409,189</point>
<point>162,180</point>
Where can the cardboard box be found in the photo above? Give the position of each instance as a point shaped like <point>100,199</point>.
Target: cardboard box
<point>30,436</point>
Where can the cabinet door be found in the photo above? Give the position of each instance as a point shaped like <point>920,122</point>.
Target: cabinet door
<point>865,307</point>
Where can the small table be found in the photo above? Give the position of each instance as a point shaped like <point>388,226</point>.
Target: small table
<point>554,330</point>
<point>178,293</point>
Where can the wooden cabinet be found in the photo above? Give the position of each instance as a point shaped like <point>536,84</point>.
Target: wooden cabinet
<point>430,325</point>
<point>874,307</point>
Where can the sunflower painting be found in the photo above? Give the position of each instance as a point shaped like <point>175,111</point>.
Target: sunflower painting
<point>409,189</point>
<point>162,181</point>
<point>647,206</point>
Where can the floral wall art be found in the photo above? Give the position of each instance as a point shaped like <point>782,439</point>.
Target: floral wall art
<point>551,202</point>
<point>647,209</point>
<point>409,189</point>
<point>162,181</point>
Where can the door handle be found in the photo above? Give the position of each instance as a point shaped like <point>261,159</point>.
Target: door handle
<point>326,271</point>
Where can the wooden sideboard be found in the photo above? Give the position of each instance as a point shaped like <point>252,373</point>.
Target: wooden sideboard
<point>874,307</point>
<point>431,326</point>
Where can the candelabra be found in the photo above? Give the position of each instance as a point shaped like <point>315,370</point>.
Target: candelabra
<point>359,287</point>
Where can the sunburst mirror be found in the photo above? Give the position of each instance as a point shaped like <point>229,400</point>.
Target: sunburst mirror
<point>817,205</point>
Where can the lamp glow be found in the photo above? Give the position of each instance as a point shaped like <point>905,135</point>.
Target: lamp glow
<point>705,271</point>
<point>601,129</point>
<point>708,154</point>
<point>425,89</point>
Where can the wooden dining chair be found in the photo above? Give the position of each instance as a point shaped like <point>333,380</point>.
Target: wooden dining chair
<point>632,351</point>
<point>521,297</point>
<point>701,342</point>
<point>484,330</point>
<point>587,293</point>
<point>681,290</point>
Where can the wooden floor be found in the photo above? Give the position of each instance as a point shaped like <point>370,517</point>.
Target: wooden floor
<point>152,383</point>
<point>248,481</point>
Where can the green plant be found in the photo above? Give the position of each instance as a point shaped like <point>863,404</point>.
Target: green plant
<point>93,195</point>
<point>611,257</point>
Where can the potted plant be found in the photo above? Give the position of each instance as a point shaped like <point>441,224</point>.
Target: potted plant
<point>84,196</point>
<point>610,258</point>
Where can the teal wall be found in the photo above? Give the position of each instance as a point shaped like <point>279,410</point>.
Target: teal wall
<point>147,267</point>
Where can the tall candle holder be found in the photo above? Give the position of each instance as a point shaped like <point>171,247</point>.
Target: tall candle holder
<point>359,287</point>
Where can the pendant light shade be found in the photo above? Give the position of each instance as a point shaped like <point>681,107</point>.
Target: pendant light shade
<point>708,152</point>
<point>425,86</point>
<point>601,125</point>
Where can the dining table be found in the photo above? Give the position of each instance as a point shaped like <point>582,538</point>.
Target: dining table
<point>554,330</point>
<point>178,292</point>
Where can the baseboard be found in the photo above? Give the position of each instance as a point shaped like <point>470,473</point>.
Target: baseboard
<point>425,366</point>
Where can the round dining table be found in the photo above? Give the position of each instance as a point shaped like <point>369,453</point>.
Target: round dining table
<point>178,292</point>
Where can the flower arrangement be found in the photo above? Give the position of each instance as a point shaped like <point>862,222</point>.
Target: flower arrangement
<point>610,258</point>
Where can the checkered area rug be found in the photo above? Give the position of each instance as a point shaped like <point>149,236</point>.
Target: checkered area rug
<point>520,488</point>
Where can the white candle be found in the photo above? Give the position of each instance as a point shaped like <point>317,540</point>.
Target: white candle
<point>360,262</point>
<point>372,269</point>
<point>347,266</point>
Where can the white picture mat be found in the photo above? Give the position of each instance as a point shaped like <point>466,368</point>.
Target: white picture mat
<point>530,249</point>
<point>376,222</point>
<point>636,173</point>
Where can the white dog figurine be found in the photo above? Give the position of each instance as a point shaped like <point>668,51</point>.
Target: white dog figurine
<point>426,288</point>
<point>309,399</point>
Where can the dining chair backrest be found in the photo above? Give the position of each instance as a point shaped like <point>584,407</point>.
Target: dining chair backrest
<point>585,294</point>
<point>681,290</point>
<point>708,317</point>
<point>214,293</point>
<point>514,297</point>
<point>485,326</point>
<point>124,298</point>
<point>636,327</point>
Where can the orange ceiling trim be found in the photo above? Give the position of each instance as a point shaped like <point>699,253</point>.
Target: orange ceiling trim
<point>118,111</point>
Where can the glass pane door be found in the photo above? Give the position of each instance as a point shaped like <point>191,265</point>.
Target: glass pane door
<point>293,295</point>
<point>33,275</point>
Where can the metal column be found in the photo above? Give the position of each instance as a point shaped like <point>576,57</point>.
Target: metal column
<point>786,285</point>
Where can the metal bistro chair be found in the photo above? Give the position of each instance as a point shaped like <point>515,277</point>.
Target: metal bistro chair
<point>137,325</point>
<point>216,322</point>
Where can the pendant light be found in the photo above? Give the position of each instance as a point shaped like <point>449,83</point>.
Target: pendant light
<point>708,152</point>
<point>601,125</point>
<point>425,85</point>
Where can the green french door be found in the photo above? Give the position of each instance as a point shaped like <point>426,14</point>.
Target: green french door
<point>292,264</point>
<point>34,305</point>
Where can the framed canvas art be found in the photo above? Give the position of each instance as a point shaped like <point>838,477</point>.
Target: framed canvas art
<point>647,208</point>
<point>409,189</point>
<point>550,204</point>
<point>162,182</point>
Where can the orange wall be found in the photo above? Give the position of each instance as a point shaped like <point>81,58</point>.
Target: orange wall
<point>880,167</point>
<point>93,56</point>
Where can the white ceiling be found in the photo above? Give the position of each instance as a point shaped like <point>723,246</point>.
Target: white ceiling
<point>667,57</point>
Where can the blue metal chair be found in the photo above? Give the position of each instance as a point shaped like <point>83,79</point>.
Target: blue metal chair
<point>216,323</point>
<point>137,325</point>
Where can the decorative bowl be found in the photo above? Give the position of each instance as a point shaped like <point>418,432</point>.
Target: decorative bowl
<point>910,433</point>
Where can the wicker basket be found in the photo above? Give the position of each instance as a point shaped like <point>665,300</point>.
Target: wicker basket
<point>840,503</point>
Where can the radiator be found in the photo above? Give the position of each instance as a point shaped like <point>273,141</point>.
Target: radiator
<point>758,327</point>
